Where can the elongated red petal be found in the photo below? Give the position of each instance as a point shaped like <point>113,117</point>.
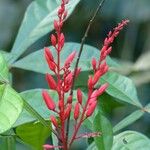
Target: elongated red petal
<point>76,111</point>
<point>67,112</point>
<point>70,58</point>
<point>48,54</point>
<point>69,100</point>
<point>48,100</point>
<point>49,59</point>
<point>54,121</point>
<point>90,82</point>
<point>51,82</point>
<point>94,64</point>
<point>53,40</point>
<point>102,89</point>
<point>91,109</point>
<point>96,77</point>
<point>79,96</point>
<point>61,40</point>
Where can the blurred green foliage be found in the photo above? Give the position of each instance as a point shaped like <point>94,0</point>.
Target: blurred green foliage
<point>131,49</point>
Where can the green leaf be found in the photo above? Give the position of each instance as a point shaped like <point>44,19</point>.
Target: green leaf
<point>131,140</point>
<point>121,88</point>
<point>108,103</point>
<point>10,107</point>
<point>35,100</point>
<point>34,134</point>
<point>37,22</point>
<point>128,120</point>
<point>4,71</point>
<point>7,143</point>
<point>101,124</point>
<point>36,60</point>
<point>92,146</point>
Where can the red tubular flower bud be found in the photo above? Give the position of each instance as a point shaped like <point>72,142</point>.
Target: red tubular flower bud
<point>79,96</point>
<point>70,58</point>
<point>51,82</point>
<point>94,63</point>
<point>60,104</point>
<point>102,66</point>
<point>48,100</point>
<point>53,40</point>
<point>48,54</point>
<point>96,77</point>
<point>62,40</point>
<point>54,121</point>
<point>52,66</point>
<point>69,100</point>
<point>67,112</point>
<point>109,50</point>
<point>76,111</point>
<point>102,89</point>
<point>94,94</point>
<point>93,99</point>
<point>50,59</point>
<point>56,25</point>
<point>68,79</point>
<point>91,109</point>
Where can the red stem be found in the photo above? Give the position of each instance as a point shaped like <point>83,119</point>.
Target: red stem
<point>81,120</point>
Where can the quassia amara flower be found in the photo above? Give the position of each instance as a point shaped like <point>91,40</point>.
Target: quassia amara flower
<point>62,83</point>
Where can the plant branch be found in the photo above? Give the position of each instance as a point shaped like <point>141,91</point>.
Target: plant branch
<point>79,55</point>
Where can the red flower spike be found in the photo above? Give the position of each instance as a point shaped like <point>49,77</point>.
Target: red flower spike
<point>54,121</point>
<point>48,100</point>
<point>76,111</point>
<point>70,58</point>
<point>79,96</point>
<point>51,82</point>
<point>69,100</point>
<point>94,64</point>
<point>91,109</point>
<point>67,112</point>
<point>65,81</point>
<point>53,40</point>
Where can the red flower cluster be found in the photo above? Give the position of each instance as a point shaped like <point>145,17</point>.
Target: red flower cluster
<point>64,80</point>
